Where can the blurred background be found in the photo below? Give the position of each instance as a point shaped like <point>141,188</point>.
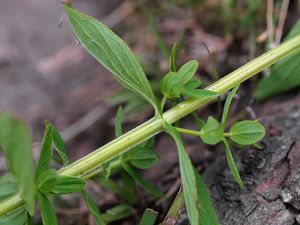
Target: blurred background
<point>45,73</point>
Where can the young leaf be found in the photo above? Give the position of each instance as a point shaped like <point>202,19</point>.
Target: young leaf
<point>109,49</point>
<point>211,132</point>
<point>227,106</point>
<point>207,213</point>
<point>60,146</point>
<point>246,132</point>
<point>92,208</point>
<point>18,217</point>
<point>172,85</point>
<point>148,217</point>
<point>193,83</point>
<point>187,177</point>
<point>284,75</point>
<point>232,165</point>
<point>47,210</point>
<point>68,184</point>
<point>47,180</point>
<point>188,70</point>
<point>46,151</point>
<point>140,180</point>
<point>15,141</point>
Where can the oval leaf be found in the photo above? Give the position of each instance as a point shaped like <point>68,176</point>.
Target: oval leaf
<point>247,132</point>
<point>211,133</point>
<point>109,49</point>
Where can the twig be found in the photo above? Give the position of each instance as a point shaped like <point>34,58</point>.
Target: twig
<point>282,18</point>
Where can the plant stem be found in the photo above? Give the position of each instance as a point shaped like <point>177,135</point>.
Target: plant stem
<point>188,131</point>
<point>163,102</point>
<point>156,124</point>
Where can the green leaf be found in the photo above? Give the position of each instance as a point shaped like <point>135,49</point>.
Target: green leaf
<point>211,133</point>
<point>92,208</point>
<point>140,180</point>
<point>15,141</point>
<point>116,213</point>
<point>187,177</point>
<point>111,51</point>
<point>246,132</point>
<point>60,146</point>
<point>142,158</point>
<point>47,210</point>
<point>68,184</point>
<point>227,106</point>
<point>172,59</point>
<point>232,165</point>
<point>17,217</point>
<point>46,151</point>
<point>149,217</point>
<point>284,75</point>
<point>8,186</point>
<point>193,83</point>
<point>207,213</point>
<point>172,85</point>
<point>47,180</point>
<point>188,70</point>
<point>198,93</point>
<point>128,188</point>
<point>118,122</point>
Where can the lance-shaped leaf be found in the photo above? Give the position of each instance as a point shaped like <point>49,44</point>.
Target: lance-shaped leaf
<point>47,210</point>
<point>15,141</point>
<point>93,208</point>
<point>109,49</point>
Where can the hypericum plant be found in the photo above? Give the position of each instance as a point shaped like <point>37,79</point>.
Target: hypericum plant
<point>41,182</point>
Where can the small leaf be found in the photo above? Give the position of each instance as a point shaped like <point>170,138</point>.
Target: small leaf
<point>227,106</point>
<point>128,188</point>
<point>60,146</point>
<point>116,213</point>
<point>211,133</point>
<point>193,83</point>
<point>207,213</point>
<point>188,70</point>
<point>15,141</point>
<point>92,208</point>
<point>198,93</point>
<point>142,158</point>
<point>140,180</point>
<point>187,177</point>
<point>149,217</point>
<point>17,217</point>
<point>246,132</point>
<point>68,184</point>
<point>110,50</point>
<point>232,165</point>
<point>46,151</point>
<point>106,170</point>
<point>172,85</point>
<point>47,180</point>
<point>47,210</point>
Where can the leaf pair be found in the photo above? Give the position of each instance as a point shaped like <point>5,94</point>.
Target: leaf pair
<point>182,83</point>
<point>199,207</point>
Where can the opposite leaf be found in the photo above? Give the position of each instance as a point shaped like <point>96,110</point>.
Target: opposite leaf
<point>109,49</point>
<point>246,132</point>
<point>211,133</point>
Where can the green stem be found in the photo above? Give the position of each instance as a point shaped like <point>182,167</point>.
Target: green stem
<point>155,125</point>
<point>187,131</point>
<point>226,134</point>
<point>163,102</point>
